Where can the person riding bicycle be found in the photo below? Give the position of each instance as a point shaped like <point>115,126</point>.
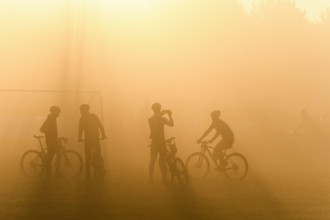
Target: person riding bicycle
<point>49,128</point>
<point>91,125</point>
<point>157,136</point>
<point>223,129</point>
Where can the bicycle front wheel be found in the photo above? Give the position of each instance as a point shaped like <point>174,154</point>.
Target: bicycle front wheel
<point>98,166</point>
<point>32,163</point>
<point>181,172</point>
<point>70,164</point>
<point>236,166</point>
<point>165,170</point>
<point>197,165</point>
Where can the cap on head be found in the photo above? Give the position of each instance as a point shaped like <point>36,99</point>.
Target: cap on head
<point>215,114</point>
<point>156,107</point>
<point>55,109</point>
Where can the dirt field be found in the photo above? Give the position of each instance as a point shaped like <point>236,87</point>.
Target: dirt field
<point>126,194</point>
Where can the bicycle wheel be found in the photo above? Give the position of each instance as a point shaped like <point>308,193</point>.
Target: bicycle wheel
<point>32,163</point>
<point>165,170</point>
<point>197,165</point>
<point>70,164</point>
<point>236,166</point>
<point>181,172</point>
<point>97,165</point>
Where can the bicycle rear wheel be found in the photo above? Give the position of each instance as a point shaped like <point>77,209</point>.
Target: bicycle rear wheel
<point>181,172</point>
<point>32,163</point>
<point>71,164</point>
<point>197,165</point>
<point>236,166</point>
<point>165,170</point>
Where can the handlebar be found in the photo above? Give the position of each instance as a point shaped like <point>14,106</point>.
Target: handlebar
<point>64,139</point>
<point>204,144</point>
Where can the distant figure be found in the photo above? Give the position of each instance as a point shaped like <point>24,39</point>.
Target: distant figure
<point>49,128</point>
<point>222,129</point>
<point>157,136</point>
<point>91,125</point>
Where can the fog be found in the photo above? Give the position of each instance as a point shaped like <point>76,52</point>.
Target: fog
<point>259,68</point>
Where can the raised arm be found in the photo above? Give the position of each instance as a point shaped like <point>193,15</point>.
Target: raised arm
<point>169,122</point>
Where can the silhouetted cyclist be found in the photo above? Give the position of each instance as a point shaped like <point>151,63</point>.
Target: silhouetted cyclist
<point>222,129</point>
<point>49,128</point>
<point>91,125</point>
<point>157,136</point>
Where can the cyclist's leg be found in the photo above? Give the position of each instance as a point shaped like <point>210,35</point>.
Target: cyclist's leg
<point>219,150</point>
<point>58,157</point>
<point>163,154</point>
<point>153,157</point>
<point>88,148</point>
<point>97,146</point>
<point>51,151</point>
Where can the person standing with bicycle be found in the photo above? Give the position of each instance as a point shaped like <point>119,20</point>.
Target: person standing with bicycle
<point>223,129</point>
<point>91,125</point>
<point>157,136</point>
<point>49,128</point>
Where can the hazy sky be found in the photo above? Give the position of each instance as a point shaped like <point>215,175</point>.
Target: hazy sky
<point>313,8</point>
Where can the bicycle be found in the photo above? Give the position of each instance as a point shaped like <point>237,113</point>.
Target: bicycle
<point>198,165</point>
<point>172,166</point>
<point>34,163</point>
<point>96,162</point>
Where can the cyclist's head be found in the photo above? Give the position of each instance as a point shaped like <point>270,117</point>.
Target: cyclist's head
<point>215,114</point>
<point>55,110</point>
<point>156,107</point>
<point>84,108</point>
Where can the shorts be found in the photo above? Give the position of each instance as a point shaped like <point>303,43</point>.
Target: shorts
<point>224,144</point>
<point>157,146</point>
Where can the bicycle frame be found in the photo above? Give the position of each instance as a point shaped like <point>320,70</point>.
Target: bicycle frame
<point>43,150</point>
<point>169,157</point>
<point>206,148</point>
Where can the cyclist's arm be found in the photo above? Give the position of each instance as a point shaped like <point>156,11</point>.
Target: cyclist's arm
<point>101,128</point>
<point>169,122</point>
<point>206,133</point>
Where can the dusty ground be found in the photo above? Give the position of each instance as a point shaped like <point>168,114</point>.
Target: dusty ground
<point>126,194</point>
